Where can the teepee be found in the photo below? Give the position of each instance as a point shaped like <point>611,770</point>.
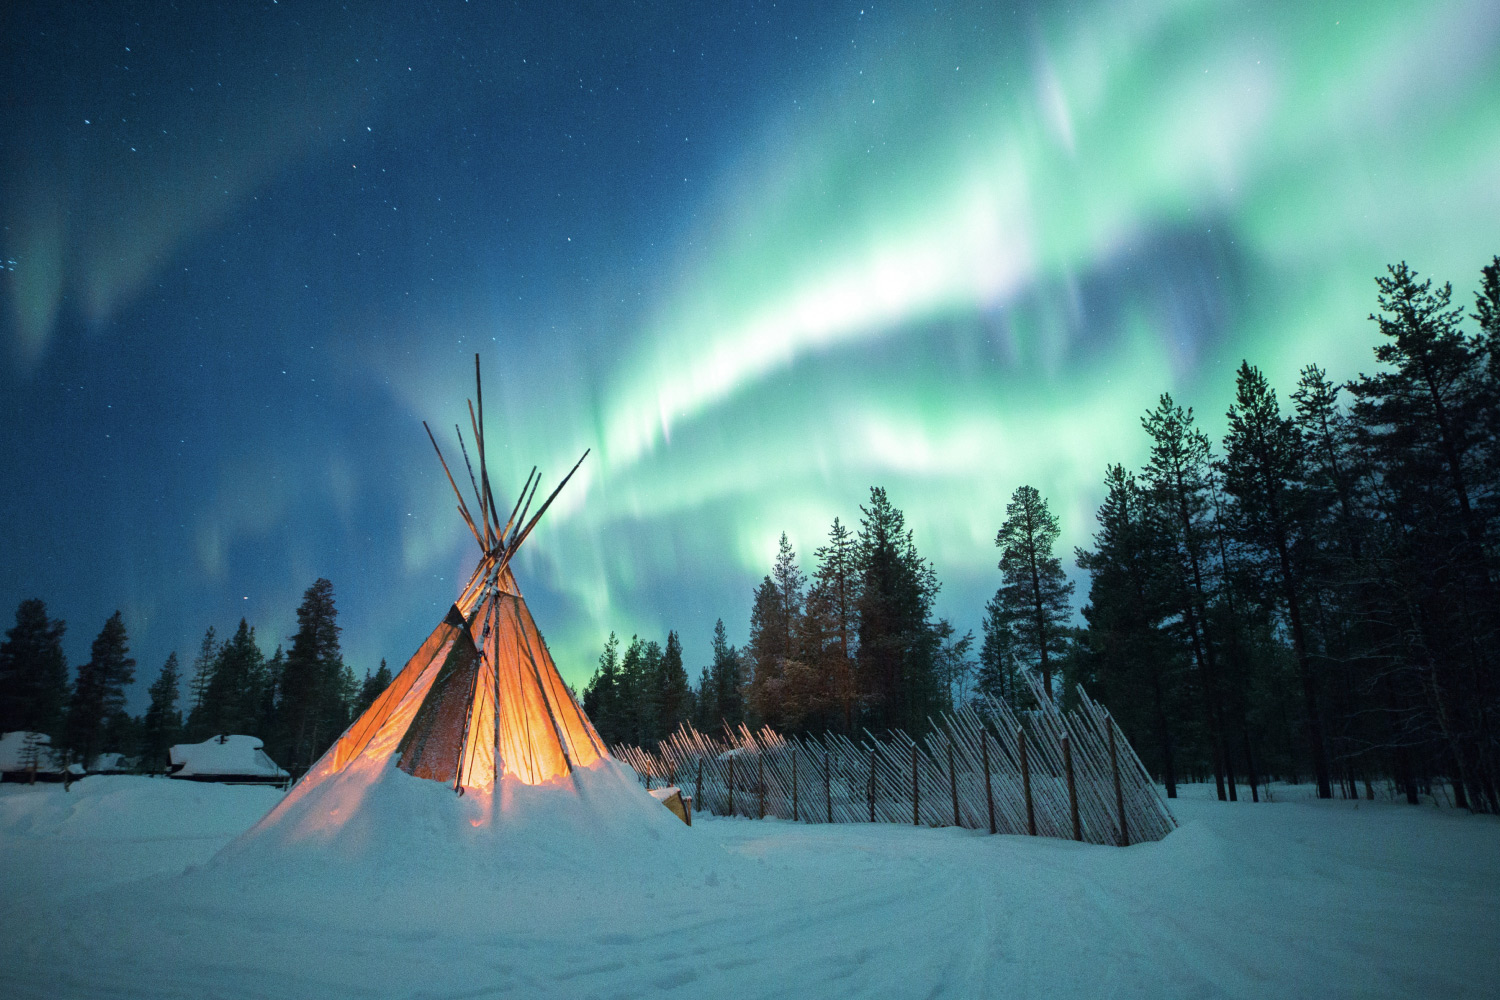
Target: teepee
<point>481,699</point>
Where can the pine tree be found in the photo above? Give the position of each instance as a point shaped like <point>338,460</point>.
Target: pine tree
<point>728,684</point>
<point>33,672</point>
<point>269,723</point>
<point>1263,475</point>
<point>1035,593</point>
<point>371,689</point>
<point>199,727</point>
<point>832,603</point>
<point>898,643</point>
<point>1176,480</point>
<point>1425,425</point>
<point>601,695</point>
<point>99,690</point>
<point>775,626</point>
<point>236,684</point>
<point>162,724</point>
<point>672,694</point>
<point>1129,601</point>
<point>998,675</point>
<point>313,709</point>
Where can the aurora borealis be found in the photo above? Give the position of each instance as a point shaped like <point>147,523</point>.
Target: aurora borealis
<point>758,259</point>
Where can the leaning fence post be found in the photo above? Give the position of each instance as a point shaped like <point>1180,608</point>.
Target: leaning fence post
<point>731,782</point>
<point>760,779</point>
<point>915,818</point>
<point>953,782</point>
<point>1114,763</point>
<point>1026,783</point>
<point>698,792</point>
<point>828,783</point>
<point>872,784</point>
<point>989,794</point>
<point>796,817</point>
<point>1072,787</point>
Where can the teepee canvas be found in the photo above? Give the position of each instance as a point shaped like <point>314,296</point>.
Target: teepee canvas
<point>480,705</point>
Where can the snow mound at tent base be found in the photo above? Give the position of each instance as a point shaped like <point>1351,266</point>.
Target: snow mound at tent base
<point>381,818</point>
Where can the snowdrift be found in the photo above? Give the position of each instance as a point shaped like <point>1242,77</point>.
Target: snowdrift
<point>376,817</point>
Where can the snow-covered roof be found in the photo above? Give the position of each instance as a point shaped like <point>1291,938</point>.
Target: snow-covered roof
<point>13,753</point>
<point>241,756</point>
<point>113,763</point>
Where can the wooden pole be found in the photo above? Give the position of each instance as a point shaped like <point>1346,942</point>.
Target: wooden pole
<point>1114,763</point>
<point>1026,783</point>
<point>1067,748</point>
<point>828,784</point>
<point>1031,805</point>
<point>731,784</point>
<point>872,785</point>
<point>796,815</point>
<point>953,783</point>
<point>698,791</point>
<point>760,779</point>
<point>989,792</point>
<point>916,820</point>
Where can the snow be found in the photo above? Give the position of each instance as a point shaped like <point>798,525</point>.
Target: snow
<point>13,752</point>
<point>555,891</point>
<point>240,756</point>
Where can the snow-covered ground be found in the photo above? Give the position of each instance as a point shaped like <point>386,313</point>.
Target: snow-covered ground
<point>110,890</point>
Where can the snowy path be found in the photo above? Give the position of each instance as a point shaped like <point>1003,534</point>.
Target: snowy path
<point>1285,900</point>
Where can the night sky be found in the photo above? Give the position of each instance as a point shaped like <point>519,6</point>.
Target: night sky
<point>758,257</point>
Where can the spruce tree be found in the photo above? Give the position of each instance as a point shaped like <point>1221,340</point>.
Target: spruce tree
<point>1034,593</point>
<point>775,627</point>
<point>601,695</point>
<point>162,725</point>
<point>231,702</point>
<point>1263,474</point>
<point>99,691</point>
<point>312,709</point>
<point>728,684</point>
<point>33,672</point>
<point>1130,599</point>
<point>198,723</point>
<point>1176,481</point>
<point>371,689</point>
<point>898,643</point>
<point>672,694</point>
<point>833,601</point>
<point>998,676</point>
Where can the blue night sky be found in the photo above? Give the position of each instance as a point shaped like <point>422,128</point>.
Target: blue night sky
<point>758,257</point>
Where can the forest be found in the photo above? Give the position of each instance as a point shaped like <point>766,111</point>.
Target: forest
<point>1313,597</point>
<point>297,701</point>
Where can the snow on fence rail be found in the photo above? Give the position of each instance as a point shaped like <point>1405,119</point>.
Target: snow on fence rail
<point>1047,773</point>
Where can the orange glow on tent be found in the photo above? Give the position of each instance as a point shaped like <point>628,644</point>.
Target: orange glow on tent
<point>482,694</point>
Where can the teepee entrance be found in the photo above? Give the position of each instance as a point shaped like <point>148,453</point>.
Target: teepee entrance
<point>482,697</point>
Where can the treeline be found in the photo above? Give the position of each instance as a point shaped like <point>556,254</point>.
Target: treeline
<point>857,644</point>
<point>1314,597</point>
<point>297,701</point>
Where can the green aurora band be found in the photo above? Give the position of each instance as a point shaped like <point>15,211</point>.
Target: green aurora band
<point>891,295</point>
<point>948,261</point>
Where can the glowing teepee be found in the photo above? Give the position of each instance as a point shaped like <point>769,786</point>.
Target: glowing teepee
<point>482,697</point>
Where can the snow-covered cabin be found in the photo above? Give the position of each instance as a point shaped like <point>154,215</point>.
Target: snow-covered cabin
<point>113,763</point>
<point>236,760</point>
<point>19,751</point>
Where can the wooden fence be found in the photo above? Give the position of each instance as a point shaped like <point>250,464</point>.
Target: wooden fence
<point>1045,773</point>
